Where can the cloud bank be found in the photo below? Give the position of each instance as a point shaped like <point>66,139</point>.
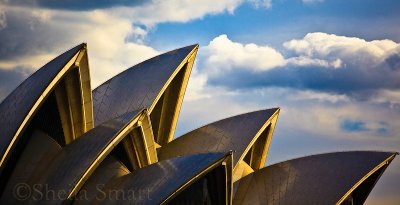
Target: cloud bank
<point>37,30</point>
<point>321,62</point>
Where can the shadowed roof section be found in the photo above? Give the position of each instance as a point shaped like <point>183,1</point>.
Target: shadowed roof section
<point>236,133</point>
<point>19,107</point>
<point>330,178</point>
<point>139,86</point>
<point>74,164</point>
<point>163,182</point>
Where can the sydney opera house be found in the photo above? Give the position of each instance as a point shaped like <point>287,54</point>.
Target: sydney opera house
<point>64,143</point>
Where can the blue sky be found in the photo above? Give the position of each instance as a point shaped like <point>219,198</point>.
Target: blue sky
<point>286,20</point>
<point>333,66</point>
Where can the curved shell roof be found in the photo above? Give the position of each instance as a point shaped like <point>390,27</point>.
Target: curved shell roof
<point>235,133</point>
<point>139,86</point>
<point>18,108</point>
<point>317,179</point>
<point>164,180</point>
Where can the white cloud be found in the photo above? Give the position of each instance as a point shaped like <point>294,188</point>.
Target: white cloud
<point>261,3</point>
<point>319,96</point>
<point>224,54</point>
<point>349,50</point>
<point>35,61</point>
<point>108,50</point>
<point>196,88</point>
<point>307,61</point>
<point>304,111</point>
<point>175,10</point>
<point>315,49</point>
<point>160,11</point>
<point>365,59</point>
<point>106,32</point>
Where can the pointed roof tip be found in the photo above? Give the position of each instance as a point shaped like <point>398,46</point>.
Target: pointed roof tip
<point>387,153</point>
<point>270,111</point>
<point>272,108</point>
<point>276,109</point>
<point>189,47</point>
<point>196,45</point>
<point>390,153</point>
<point>193,45</point>
<point>79,46</point>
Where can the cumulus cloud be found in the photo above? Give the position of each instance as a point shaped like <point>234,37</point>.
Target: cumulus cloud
<point>351,50</point>
<point>196,88</point>
<point>181,10</point>
<point>105,34</point>
<point>224,54</point>
<point>177,10</point>
<point>315,50</point>
<point>108,49</point>
<point>114,32</point>
<point>319,62</point>
<point>319,96</point>
<point>308,61</point>
<point>42,37</point>
<point>261,3</point>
